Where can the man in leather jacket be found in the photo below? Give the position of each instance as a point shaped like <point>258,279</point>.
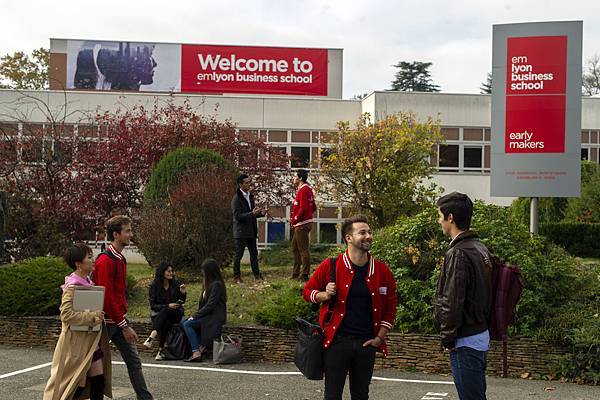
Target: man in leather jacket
<point>463,297</point>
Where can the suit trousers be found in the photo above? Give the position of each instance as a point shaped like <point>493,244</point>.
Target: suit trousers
<point>240,245</point>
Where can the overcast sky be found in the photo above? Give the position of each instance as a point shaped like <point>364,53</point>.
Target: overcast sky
<point>455,35</point>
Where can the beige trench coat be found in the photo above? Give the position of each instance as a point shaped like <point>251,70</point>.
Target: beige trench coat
<point>74,350</point>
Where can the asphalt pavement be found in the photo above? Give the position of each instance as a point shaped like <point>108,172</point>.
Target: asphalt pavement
<point>24,372</point>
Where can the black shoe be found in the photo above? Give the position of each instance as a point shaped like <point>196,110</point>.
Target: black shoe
<point>303,278</point>
<point>259,277</point>
<point>237,279</point>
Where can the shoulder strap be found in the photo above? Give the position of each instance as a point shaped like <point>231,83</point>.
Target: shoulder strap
<point>332,262</point>
<point>113,258</point>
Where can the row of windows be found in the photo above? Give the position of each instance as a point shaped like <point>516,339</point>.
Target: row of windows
<point>465,150</point>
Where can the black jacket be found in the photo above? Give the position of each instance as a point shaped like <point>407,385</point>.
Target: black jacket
<point>244,222</point>
<point>212,312</point>
<point>159,297</point>
<point>463,298</point>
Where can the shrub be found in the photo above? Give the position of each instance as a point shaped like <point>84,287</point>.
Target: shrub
<point>174,165</point>
<point>579,239</point>
<point>284,308</point>
<point>414,248</point>
<point>191,219</point>
<point>32,286</point>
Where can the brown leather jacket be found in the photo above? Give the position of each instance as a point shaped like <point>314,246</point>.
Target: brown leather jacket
<point>463,298</point>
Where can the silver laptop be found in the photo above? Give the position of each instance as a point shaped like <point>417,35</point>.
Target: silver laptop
<point>88,298</point>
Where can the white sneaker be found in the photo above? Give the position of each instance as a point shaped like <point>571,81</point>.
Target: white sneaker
<point>148,342</point>
<point>159,356</point>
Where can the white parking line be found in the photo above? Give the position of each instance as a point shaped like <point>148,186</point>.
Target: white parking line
<point>231,371</point>
<point>22,371</point>
<point>241,371</point>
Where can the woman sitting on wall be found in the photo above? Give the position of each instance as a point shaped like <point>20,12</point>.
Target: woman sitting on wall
<point>81,365</point>
<point>167,296</point>
<point>206,323</point>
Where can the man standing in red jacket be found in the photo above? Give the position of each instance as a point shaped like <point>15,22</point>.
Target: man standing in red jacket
<point>364,308</point>
<point>301,222</point>
<point>111,272</point>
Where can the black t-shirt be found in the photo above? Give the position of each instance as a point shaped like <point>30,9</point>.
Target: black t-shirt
<point>358,320</point>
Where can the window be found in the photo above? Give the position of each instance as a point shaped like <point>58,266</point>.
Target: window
<point>327,233</point>
<point>585,153</point>
<point>300,157</point>
<point>448,160</point>
<point>275,232</point>
<point>472,157</point>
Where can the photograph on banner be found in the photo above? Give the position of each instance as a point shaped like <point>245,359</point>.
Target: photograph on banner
<point>127,66</point>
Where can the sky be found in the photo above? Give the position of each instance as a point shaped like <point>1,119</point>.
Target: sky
<point>455,35</point>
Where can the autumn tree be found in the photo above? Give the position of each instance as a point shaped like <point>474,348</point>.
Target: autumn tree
<point>22,71</point>
<point>414,77</point>
<point>381,168</point>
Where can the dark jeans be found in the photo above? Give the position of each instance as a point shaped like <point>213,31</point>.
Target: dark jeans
<point>131,357</point>
<point>240,245</point>
<point>346,355</point>
<point>468,369</point>
<point>164,320</point>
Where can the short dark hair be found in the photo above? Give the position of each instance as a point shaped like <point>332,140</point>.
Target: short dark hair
<point>76,253</point>
<point>460,206</point>
<point>115,225</point>
<point>240,179</point>
<point>348,222</point>
<point>302,174</point>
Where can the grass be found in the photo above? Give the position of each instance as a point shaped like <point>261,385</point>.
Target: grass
<point>242,299</point>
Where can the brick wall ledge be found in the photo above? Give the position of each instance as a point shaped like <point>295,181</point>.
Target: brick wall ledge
<point>410,352</point>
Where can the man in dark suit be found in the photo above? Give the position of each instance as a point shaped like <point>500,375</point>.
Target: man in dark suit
<point>245,227</point>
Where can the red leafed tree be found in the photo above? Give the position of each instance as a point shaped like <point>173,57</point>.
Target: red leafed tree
<point>126,144</point>
<point>63,182</point>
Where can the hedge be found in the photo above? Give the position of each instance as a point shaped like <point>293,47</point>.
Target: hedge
<point>578,239</point>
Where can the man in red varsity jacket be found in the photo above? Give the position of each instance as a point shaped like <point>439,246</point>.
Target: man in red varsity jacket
<point>364,298</point>
<point>301,222</point>
<point>111,272</point>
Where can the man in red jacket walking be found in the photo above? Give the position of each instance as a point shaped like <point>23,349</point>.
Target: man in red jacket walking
<point>111,272</point>
<point>301,222</point>
<point>364,308</point>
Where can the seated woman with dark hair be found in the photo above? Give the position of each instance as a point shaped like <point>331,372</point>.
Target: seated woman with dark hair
<point>206,323</point>
<point>167,296</point>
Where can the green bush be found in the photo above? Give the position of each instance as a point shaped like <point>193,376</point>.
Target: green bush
<point>169,170</point>
<point>186,215</point>
<point>284,308</point>
<point>32,286</point>
<point>579,239</point>
<point>560,294</point>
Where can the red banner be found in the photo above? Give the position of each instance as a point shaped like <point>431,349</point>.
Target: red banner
<point>261,70</point>
<point>536,94</point>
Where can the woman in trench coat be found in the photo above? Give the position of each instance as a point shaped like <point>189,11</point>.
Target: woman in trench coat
<point>81,365</point>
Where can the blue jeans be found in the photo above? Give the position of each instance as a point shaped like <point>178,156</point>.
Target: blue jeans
<point>468,369</point>
<point>191,328</point>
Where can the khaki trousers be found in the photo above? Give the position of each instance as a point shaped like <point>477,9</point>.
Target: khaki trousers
<point>300,248</point>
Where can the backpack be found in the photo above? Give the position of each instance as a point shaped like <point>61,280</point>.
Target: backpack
<point>507,286</point>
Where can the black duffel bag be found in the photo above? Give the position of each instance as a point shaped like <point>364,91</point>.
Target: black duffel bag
<point>309,347</point>
<point>177,346</point>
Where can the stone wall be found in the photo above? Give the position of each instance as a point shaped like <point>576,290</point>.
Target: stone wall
<point>407,352</point>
